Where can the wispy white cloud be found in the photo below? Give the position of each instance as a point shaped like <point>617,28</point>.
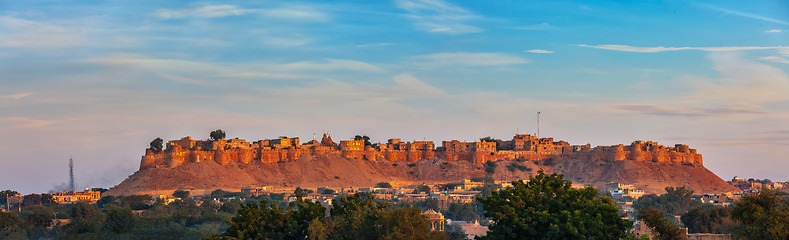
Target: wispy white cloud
<point>539,51</point>
<point>741,81</point>
<point>32,34</point>
<point>297,13</point>
<point>438,16</point>
<point>259,75</point>
<point>292,40</point>
<point>18,95</point>
<point>374,45</point>
<point>777,59</point>
<point>411,83</point>
<point>220,74</point>
<point>470,59</point>
<point>627,48</point>
<point>689,112</point>
<point>540,26</point>
<point>744,14</point>
<point>773,31</point>
<point>329,65</point>
<point>742,89</point>
<point>211,11</point>
<point>28,122</point>
<point>188,80</point>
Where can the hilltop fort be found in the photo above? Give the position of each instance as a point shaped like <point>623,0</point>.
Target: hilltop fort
<point>521,147</point>
<point>286,162</point>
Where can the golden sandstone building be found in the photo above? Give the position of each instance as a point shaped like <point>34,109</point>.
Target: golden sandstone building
<point>522,146</point>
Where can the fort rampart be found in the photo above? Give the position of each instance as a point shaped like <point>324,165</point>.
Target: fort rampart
<point>522,146</point>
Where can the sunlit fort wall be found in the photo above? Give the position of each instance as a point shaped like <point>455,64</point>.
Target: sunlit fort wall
<point>521,146</point>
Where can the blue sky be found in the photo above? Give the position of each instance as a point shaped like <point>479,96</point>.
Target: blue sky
<point>97,80</point>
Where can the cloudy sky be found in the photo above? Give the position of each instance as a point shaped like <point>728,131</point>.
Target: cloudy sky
<point>98,80</point>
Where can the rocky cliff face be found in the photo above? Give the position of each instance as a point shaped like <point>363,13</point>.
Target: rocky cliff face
<point>334,170</point>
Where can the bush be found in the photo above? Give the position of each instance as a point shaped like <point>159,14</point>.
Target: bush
<point>328,191</point>
<point>383,185</point>
<point>548,162</point>
<point>490,167</point>
<point>515,166</point>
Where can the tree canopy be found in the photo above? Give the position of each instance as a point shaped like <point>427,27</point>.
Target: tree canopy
<point>365,138</point>
<point>217,134</point>
<point>708,219</point>
<point>762,215</point>
<point>358,216</point>
<point>182,194</point>
<point>157,145</point>
<point>547,207</point>
<point>269,221</point>
<point>662,225</point>
<point>675,201</point>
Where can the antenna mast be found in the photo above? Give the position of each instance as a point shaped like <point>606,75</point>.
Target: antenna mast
<point>538,124</point>
<point>71,174</point>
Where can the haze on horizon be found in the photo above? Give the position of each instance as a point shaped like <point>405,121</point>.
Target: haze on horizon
<point>98,80</point>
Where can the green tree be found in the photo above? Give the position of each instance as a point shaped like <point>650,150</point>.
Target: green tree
<point>182,194</point>
<point>231,206</point>
<point>269,221</point>
<point>106,200</point>
<point>31,199</point>
<point>490,167</point>
<point>219,193</point>
<point>136,202</point>
<point>383,185</point>
<point>11,226</point>
<point>762,215</point>
<point>487,139</point>
<point>119,219</point>
<point>360,216</point>
<point>491,139</point>
<point>302,192</point>
<point>662,225</point>
<point>4,196</point>
<point>48,200</point>
<point>708,219</point>
<point>85,218</point>
<point>461,212</point>
<point>365,138</point>
<point>328,191</point>
<point>157,145</point>
<point>547,207</point>
<point>422,189</point>
<point>217,134</point>
<point>407,223</point>
<point>38,216</point>
<point>83,210</point>
<point>675,201</point>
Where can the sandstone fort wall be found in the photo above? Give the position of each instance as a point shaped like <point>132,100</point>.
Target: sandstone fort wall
<point>522,146</point>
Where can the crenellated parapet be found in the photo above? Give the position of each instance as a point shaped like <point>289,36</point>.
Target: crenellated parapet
<point>521,147</point>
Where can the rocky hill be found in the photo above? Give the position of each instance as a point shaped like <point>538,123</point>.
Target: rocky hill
<point>334,170</point>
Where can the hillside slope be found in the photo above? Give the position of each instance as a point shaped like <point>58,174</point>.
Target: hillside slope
<point>332,170</point>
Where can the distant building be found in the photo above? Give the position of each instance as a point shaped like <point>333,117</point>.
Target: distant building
<point>620,191</point>
<point>15,199</point>
<point>72,197</point>
<point>255,190</point>
<point>721,200</point>
<point>436,220</point>
<point>471,230</point>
